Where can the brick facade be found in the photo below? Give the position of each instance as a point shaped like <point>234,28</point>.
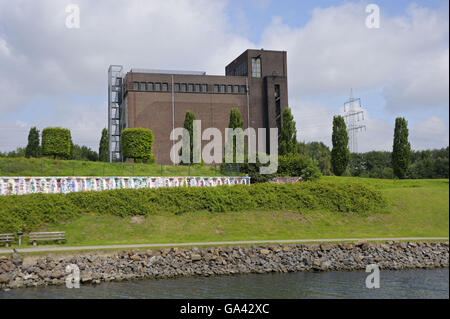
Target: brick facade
<point>257,104</point>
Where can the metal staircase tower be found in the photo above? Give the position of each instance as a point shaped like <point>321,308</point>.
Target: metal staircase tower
<point>115,95</point>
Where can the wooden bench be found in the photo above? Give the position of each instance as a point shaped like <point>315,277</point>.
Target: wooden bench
<point>47,236</point>
<point>6,238</point>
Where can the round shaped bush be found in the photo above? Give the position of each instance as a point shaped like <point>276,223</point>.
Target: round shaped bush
<point>137,143</point>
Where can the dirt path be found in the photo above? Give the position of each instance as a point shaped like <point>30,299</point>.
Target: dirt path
<point>218,243</point>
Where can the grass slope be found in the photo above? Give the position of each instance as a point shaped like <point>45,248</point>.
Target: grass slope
<point>415,208</point>
<point>50,167</point>
<point>29,212</point>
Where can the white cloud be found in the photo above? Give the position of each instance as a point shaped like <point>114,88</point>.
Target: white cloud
<point>49,59</point>
<point>429,134</point>
<point>4,48</point>
<point>407,56</point>
<point>40,59</point>
<point>378,135</point>
<point>84,120</point>
<point>314,123</point>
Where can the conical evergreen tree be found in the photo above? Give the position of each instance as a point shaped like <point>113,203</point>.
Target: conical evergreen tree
<point>33,148</point>
<point>288,136</point>
<point>235,122</point>
<point>401,151</point>
<point>189,126</point>
<point>103,149</point>
<point>340,155</point>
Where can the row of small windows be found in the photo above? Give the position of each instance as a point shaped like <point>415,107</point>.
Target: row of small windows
<point>150,86</point>
<point>229,88</point>
<point>188,87</point>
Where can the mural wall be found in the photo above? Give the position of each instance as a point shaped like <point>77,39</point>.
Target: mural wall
<point>286,180</point>
<point>64,185</point>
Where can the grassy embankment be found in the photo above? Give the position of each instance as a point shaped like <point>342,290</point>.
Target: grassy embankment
<point>336,207</point>
<point>50,167</point>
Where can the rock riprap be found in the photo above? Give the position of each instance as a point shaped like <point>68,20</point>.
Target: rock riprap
<point>31,271</point>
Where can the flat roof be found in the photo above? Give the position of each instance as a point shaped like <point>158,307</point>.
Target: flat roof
<point>155,71</point>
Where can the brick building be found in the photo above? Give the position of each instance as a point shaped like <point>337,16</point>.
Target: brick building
<point>255,83</point>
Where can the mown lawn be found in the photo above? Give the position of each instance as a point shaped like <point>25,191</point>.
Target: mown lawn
<point>50,167</point>
<point>417,208</point>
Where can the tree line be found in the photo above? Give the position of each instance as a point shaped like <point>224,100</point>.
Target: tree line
<point>57,142</point>
<point>401,162</point>
<point>309,160</point>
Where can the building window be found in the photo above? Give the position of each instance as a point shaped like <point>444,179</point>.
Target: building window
<point>183,87</point>
<point>236,89</point>
<point>216,88</point>
<point>197,88</point>
<point>150,86</point>
<point>243,89</point>
<point>142,86</point>
<point>177,87</point>
<point>136,86</point>
<point>157,86</point>
<point>241,70</point>
<point>204,88</point>
<point>165,87</point>
<point>222,89</point>
<point>256,67</point>
<point>190,87</point>
<point>229,89</point>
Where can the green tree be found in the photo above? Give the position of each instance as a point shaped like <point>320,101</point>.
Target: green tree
<point>189,126</point>
<point>83,153</point>
<point>103,149</point>
<point>375,164</point>
<point>311,172</point>
<point>288,135</point>
<point>56,141</point>
<point>340,154</point>
<point>235,122</point>
<point>19,152</point>
<point>292,164</point>
<point>137,143</point>
<point>401,151</point>
<point>236,119</point>
<point>253,171</point>
<point>33,149</point>
<point>319,152</point>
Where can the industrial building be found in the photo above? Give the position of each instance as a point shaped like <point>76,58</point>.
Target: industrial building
<point>255,83</point>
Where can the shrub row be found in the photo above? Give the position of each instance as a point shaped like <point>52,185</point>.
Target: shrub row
<point>28,212</point>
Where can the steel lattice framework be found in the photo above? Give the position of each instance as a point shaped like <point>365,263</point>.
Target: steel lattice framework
<point>115,95</point>
<point>353,116</point>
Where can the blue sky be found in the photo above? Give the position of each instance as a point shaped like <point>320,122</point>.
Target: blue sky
<point>59,77</point>
<point>253,16</point>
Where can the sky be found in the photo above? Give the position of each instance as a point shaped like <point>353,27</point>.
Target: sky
<point>51,75</point>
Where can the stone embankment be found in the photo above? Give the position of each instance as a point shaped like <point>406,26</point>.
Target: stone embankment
<point>31,271</point>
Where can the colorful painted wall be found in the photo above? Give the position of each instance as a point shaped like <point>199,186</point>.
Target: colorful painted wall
<point>64,185</point>
<point>286,180</point>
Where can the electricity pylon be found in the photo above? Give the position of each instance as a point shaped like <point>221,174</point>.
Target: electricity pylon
<point>353,116</point>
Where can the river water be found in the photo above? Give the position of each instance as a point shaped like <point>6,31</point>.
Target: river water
<point>338,284</point>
